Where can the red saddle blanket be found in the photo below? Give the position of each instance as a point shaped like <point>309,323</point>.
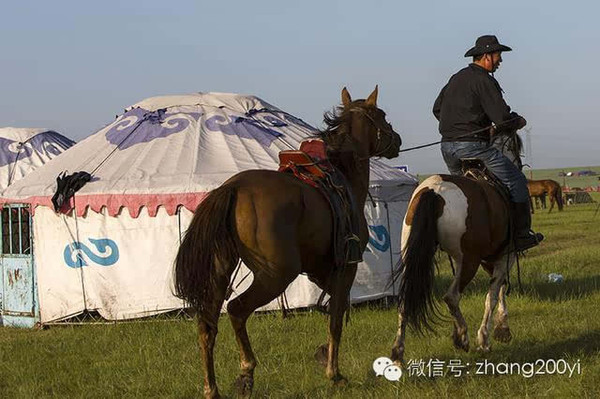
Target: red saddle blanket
<point>309,163</point>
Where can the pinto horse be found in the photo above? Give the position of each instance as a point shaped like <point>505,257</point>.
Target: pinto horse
<point>552,188</point>
<point>468,219</point>
<point>280,227</point>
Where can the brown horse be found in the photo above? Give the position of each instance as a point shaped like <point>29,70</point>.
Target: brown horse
<point>469,220</point>
<point>550,187</point>
<point>280,227</point>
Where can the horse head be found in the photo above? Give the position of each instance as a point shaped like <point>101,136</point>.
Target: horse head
<point>361,127</point>
<point>381,138</point>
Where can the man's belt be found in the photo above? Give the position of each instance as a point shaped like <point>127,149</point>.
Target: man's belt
<point>478,138</point>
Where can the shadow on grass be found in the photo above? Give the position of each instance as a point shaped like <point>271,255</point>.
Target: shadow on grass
<point>587,344</point>
<point>570,288</point>
<point>535,287</point>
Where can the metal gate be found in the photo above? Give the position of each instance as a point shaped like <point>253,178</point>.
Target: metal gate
<point>18,291</point>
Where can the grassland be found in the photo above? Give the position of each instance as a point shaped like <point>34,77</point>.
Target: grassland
<point>161,358</point>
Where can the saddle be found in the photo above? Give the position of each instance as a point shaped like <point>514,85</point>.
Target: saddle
<point>311,165</point>
<point>474,169</point>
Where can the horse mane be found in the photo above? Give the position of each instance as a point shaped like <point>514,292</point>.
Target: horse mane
<point>341,148</point>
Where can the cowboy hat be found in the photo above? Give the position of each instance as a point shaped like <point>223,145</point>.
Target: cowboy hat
<point>486,44</point>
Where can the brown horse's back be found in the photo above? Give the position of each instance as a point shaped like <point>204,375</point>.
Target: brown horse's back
<point>277,214</point>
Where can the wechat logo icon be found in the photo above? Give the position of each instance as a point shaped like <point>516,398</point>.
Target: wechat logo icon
<point>385,367</point>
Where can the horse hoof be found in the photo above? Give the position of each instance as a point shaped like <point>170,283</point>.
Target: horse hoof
<point>483,349</point>
<point>243,386</point>
<point>502,334</point>
<point>212,395</point>
<point>340,381</point>
<point>461,343</point>
<point>321,354</point>
<point>397,356</point>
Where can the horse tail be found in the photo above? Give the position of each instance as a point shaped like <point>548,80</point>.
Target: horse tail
<point>208,254</point>
<point>559,197</point>
<point>417,269</point>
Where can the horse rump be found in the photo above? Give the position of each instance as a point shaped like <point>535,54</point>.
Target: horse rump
<point>208,254</point>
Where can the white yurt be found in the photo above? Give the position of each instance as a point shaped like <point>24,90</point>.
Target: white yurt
<point>22,150</point>
<point>111,249</point>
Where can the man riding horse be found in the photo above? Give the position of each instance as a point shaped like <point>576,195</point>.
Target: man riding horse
<point>470,109</point>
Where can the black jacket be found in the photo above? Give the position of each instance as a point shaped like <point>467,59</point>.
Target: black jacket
<point>471,100</point>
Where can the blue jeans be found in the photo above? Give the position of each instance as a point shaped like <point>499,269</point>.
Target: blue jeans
<point>494,161</point>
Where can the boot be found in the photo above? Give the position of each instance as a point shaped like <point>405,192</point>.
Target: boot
<point>524,237</point>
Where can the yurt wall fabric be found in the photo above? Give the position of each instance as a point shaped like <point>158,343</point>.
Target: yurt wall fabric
<point>151,167</point>
<point>119,266</point>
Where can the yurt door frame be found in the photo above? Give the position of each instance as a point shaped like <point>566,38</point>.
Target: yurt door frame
<point>19,296</point>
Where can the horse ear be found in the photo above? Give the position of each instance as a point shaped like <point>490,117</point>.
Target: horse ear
<point>372,100</point>
<point>346,100</point>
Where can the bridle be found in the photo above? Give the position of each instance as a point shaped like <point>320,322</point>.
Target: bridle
<point>390,132</point>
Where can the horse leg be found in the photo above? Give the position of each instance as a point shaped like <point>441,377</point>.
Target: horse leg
<point>338,304</point>
<point>552,196</point>
<point>208,328</point>
<point>465,271</point>
<point>501,330</point>
<point>497,281</point>
<point>398,348</point>
<point>264,288</point>
<point>206,337</point>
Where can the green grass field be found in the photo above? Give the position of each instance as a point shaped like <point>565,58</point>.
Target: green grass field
<point>161,358</point>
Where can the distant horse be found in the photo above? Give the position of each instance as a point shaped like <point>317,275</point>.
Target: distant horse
<point>469,220</point>
<point>280,227</point>
<point>552,188</point>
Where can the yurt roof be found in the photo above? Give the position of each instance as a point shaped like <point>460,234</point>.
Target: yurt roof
<point>170,151</point>
<point>23,150</point>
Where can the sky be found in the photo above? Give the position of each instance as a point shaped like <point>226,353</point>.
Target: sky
<point>72,66</point>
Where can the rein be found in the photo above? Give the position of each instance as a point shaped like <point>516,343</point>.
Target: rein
<point>472,133</point>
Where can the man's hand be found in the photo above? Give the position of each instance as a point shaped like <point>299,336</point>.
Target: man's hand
<point>519,122</point>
